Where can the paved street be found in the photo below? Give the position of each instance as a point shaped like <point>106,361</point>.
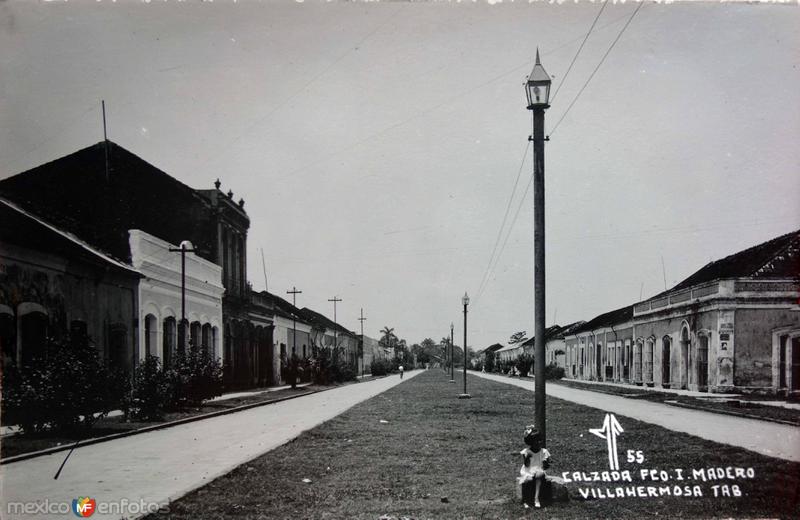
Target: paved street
<point>768,438</point>
<point>163,465</point>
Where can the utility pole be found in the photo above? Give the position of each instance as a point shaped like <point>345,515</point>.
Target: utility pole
<point>293,356</point>
<point>186,247</point>
<point>335,336</point>
<point>294,292</point>
<point>362,319</point>
<point>105,135</point>
<point>452,355</point>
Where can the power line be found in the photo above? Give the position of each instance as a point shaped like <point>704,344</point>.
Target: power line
<point>579,50</point>
<point>505,218</point>
<point>603,59</point>
<point>510,229</point>
<point>430,109</point>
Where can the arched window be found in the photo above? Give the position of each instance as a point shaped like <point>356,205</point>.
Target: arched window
<point>195,330</point>
<point>32,340</point>
<point>150,335</point>
<point>637,359</point>
<point>205,342</point>
<point>666,357</point>
<point>648,360</point>
<point>8,329</point>
<point>170,340</point>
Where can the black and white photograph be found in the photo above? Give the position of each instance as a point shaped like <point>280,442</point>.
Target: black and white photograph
<point>399,260</point>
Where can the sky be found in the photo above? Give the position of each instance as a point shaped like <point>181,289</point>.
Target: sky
<point>377,144</point>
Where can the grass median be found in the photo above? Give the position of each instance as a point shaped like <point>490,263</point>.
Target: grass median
<point>417,451</point>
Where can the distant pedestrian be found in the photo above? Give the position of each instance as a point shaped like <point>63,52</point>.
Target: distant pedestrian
<point>400,368</point>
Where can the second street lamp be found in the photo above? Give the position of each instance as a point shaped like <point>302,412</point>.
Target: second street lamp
<point>537,88</point>
<point>465,301</point>
<point>452,356</point>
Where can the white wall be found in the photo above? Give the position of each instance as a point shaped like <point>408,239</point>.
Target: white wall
<point>160,289</point>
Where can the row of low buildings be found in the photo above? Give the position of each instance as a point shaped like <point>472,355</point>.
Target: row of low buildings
<point>732,326</point>
<point>90,246</point>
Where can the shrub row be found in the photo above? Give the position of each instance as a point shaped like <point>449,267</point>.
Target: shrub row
<point>524,365</point>
<point>72,388</point>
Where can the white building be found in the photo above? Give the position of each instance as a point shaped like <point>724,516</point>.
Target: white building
<point>160,298</point>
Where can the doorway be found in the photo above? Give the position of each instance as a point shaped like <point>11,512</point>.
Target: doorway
<point>685,342</point>
<point>665,362</point>
<point>702,364</point>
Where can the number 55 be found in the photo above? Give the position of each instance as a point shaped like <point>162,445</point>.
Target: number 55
<point>635,456</point>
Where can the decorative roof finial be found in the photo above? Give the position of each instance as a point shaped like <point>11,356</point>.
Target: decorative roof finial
<point>217,184</point>
<point>230,194</point>
<point>537,56</point>
<point>241,203</point>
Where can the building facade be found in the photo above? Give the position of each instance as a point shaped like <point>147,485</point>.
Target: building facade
<point>732,326</point>
<point>53,285</point>
<point>164,274</point>
<point>101,193</point>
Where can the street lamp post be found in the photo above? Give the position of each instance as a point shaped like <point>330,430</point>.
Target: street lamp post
<point>186,247</point>
<point>537,89</point>
<point>452,356</point>
<point>465,301</point>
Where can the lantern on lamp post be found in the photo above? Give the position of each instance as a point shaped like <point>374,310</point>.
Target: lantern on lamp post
<point>465,302</point>
<point>537,89</point>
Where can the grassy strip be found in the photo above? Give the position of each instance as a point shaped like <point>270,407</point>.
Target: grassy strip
<point>744,406</point>
<point>435,445</point>
<point>19,444</point>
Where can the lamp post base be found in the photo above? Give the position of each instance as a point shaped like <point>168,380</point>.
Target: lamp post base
<point>464,396</point>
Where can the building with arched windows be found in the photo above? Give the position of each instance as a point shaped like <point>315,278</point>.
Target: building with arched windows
<point>733,325</point>
<point>100,194</point>
<point>53,284</point>
<point>160,298</point>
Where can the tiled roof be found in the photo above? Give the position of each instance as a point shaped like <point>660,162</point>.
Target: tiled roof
<point>100,208</point>
<point>24,228</point>
<point>549,333</point>
<point>607,319</point>
<point>318,319</point>
<point>284,309</point>
<point>776,258</point>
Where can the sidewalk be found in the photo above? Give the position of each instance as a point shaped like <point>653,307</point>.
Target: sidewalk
<point>13,429</point>
<point>688,393</point>
<point>767,438</point>
<point>159,466</point>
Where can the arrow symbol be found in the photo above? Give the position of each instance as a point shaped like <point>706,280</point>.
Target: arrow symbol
<point>609,432</point>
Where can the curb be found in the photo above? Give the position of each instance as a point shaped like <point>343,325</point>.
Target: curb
<point>160,426</point>
<point>731,412</point>
<point>146,429</point>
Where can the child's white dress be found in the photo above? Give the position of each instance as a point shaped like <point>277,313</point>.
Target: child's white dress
<point>535,464</point>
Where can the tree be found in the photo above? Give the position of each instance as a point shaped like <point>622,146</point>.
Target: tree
<point>517,337</point>
<point>388,338</point>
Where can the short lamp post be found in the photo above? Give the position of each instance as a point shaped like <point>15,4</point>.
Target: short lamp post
<point>465,302</point>
<point>537,89</point>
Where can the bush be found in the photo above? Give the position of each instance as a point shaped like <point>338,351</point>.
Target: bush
<point>524,364</point>
<point>489,362</point>
<point>329,366</point>
<point>68,390</point>
<point>150,392</point>
<point>194,377</point>
<point>380,367</point>
<point>553,371</point>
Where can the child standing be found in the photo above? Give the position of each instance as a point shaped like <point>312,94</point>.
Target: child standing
<point>535,460</point>
<point>400,368</point>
